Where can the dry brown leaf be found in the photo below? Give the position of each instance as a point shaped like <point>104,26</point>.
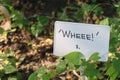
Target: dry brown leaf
<point>6,25</point>
<point>6,22</point>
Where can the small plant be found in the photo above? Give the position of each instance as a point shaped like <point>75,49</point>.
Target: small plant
<point>72,61</point>
<point>39,26</point>
<point>8,70</point>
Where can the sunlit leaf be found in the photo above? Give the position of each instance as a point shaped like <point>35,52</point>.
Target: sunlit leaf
<point>74,57</point>
<point>9,69</point>
<point>95,56</point>
<point>116,65</point>
<point>104,22</point>
<point>46,76</point>
<point>110,70</point>
<point>12,78</point>
<point>61,67</point>
<point>34,75</point>
<point>91,70</point>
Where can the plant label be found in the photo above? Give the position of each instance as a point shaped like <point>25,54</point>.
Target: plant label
<point>85,38</point>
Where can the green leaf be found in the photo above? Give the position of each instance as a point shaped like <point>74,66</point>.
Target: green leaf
<point>94,56</point>
<point>74,57</point>
<point>87,7</point>
<point>97,10</point>
<point>118,11</point>
<point>33,76</point>
<point>61,67</point>
<point>112,73</point>
<point>36,29</point>
<point>12,78</point>
<point>104,21</point>
<point>1,30</point>
<point>116,64</point>
<point>37,73</point>
<point>19,76</point>
<point>110,70</point>
<point>9,69</point>
<point>41,70</point>
<point>43,20</point>
<point>63,16</point>
<point>19,19</point>
<point>93,1</point>
<point>91,70</point>
<point>114,76</point>
<point>3,56</point>
<point>46,76</point>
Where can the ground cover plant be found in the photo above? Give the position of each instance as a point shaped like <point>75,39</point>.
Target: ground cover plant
<point>26,50</point>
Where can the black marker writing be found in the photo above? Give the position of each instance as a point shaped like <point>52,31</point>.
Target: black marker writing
<point>97,33</point>
<point>70,34</point>
<point>77,47</point>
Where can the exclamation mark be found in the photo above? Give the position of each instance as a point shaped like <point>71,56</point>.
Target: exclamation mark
<point>92,37</point>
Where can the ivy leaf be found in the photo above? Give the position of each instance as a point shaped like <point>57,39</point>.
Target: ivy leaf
<point>114,76</point>
<point>36,29</point>
<point>12,78</point>
<point>74,57</point>
<point>46,76</point>
<point>43,20</point>
<point>91,70</point>
<point>34,75</point>
<point>104,22</point>
<point>61,67</point>
<point>63,16</point>
<point>9,69</point>
<point>94,56</point>
<point>116,65</point>
<point>112,73</point>
<point>110,70</point>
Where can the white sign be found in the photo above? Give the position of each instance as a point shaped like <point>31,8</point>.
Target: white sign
<point>85,38</point>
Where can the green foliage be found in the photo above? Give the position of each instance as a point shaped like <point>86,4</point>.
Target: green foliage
<point>71,61</point>
<point>37,28</point>
<point>113,71</point>
<point>117,6</point>
<point>61,67</point>
<point>104,21</point>
<point>81,12</point>
<point>94,56</point>
<point>9,66</point>
<point>74,58</point>
<point>115,38</point>
<point>33,76</point>
<point>92,8</point>
<point>91,71</point>
<point>19,19</point>
<point>41,74</point>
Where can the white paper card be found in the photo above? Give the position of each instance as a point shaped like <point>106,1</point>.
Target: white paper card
<point>85,38</point>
